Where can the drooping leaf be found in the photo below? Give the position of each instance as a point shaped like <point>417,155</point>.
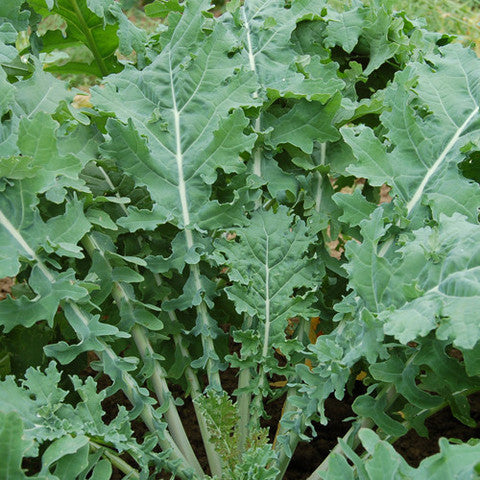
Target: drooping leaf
<point>355,207</point>
<point>161,8</point>
<point>26,312</point>
<point>446,289</point>
<point>316,125</point>
<point>432,285</point>
<point>344,28</point>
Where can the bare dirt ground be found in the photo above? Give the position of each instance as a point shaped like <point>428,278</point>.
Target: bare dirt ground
<point>5,286</point>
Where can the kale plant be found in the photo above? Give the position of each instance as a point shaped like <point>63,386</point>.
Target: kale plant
<point>284,189</point>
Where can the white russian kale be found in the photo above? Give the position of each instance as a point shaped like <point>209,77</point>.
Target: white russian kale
<point>219,201</point>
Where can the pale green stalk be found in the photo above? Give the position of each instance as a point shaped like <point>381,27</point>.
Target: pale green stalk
<point>116,461</point>
<point>213,458</point>
<point>207,340</point>
<point>196,392</point>
<point>166,441</point>
<point>158,377</point>
<point>257,404</point>
<point>163,394</point>
<point>283,459</point>
<point>319,177</point>
<point>244,399</point>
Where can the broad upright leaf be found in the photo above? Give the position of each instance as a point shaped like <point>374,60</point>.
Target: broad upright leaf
<point>172,129</point>
<point>20,231</point>
<point>45,417</point>
<point>264,29</point>
<point>40,93</point>
<point>26,312</point>
<point>268,265</point>
<point>453,460</point>
<point>427,125</point>
<point>11,11</point>
<point>344,28</point>
<point>13,447</point>
<point>13,20</point>
<point>316,123</point>
<point>161,8</point>
<point>443,273</point>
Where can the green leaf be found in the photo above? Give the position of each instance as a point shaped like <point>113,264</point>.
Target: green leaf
<point>374,408</point>
<point>385,462</point>
<point>157,147</point>
<point>427,127</point>
<point>355,207</point>
<point>21,233</point>
<point>12,11</point>
<point>40,93</point>
<point>376,36</point>
<point>264,30</point>
<point>369,274</point>
<point>404,377</point>
<point>13,447</point>
<point>100,218</point>
<point>38,139</point>
<point>313,121</point>
<point>382,462</point>
<point>267,266</point>
<point>67,447</point>
<point>432,285</point>
<point>344,28</point>
<point>255,461</point>
<point>89,331</point>
<point>65,231</point>
<point>338,468</point>
<point>8,93</point>
<point>100,26</point>
<point>446,282</point>
<point>161,8</point>
<point>102,471</point>
<point>453,461</point>
<point>26,312</point>
<point>18,168</point>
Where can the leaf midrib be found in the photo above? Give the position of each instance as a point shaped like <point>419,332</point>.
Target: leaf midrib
<point>92,45</point>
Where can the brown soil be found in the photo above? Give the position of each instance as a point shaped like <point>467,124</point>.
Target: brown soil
<point>309,455</point>
<point>415,448</point>
<point>5,286</point>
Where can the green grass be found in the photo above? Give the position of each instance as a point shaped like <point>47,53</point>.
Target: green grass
<point>456,17</point>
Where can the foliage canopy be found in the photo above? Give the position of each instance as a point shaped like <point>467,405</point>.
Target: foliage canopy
<point>197,197</point>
